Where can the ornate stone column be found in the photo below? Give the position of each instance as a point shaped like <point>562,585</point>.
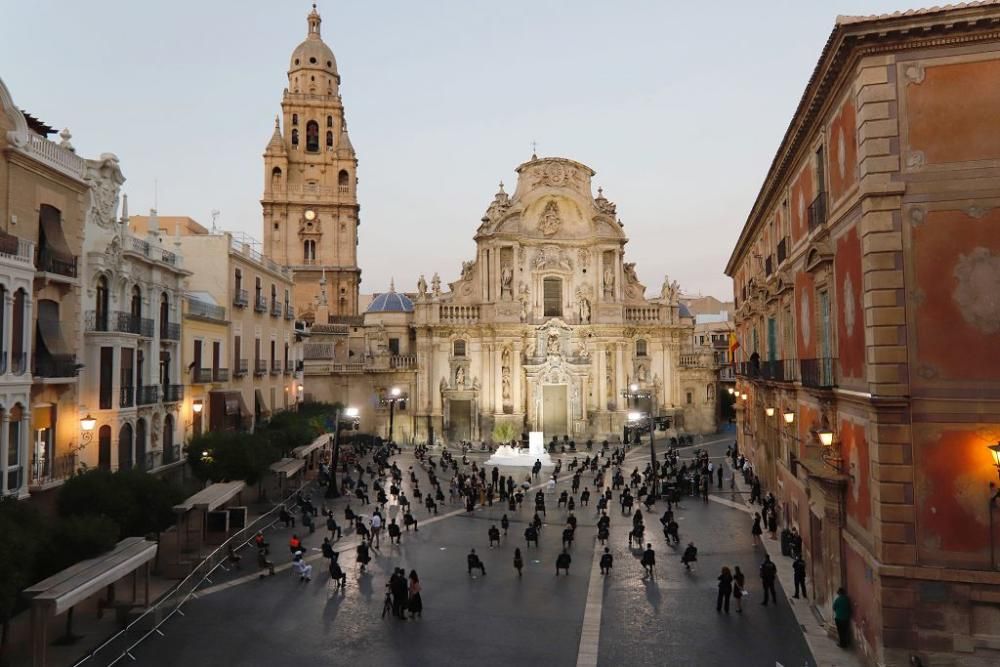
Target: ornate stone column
<point>515,377</point>
<point>8,318</point>
<point>496,382</point>
<point>602,379</point>
<point>4,444</point>
<point>619,374</point>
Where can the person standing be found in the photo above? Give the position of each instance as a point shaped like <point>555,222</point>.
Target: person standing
<point>756,530</point>
<point>518,561</point>
<point>772,523</point>
<point>725,590</point>
<point>799,571</point>
<point>768,573</point>
<point>739,583</point>
<point>414,602</point>
<point>648,559</point>
<point>376,526</point>
<point>718,475</point>
<point>842,617</point>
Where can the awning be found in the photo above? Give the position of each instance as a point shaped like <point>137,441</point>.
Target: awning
<point>261,405</point>
<point>303,451</point>
<point>287,467</point>
<point>228,402</point>
<point>41,416</point>
<point>211,497</point>
<point>55,240</point>
<point>51,331</point>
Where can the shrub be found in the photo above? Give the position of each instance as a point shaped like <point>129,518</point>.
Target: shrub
<point>138,503</point>
<point>224,456</point>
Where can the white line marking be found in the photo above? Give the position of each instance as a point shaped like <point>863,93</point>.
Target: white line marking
<point>590,637</point>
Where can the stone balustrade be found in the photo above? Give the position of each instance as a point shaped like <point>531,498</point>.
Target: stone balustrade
<point>458,314</point>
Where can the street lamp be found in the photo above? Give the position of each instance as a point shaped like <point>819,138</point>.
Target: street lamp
<point>333,490</point>
<point>88,423</point>
<point>769,411</point>
<point>995,451</point>
<point>789,416</point>
<point>396,395</point>
<point>731,391</point>
<point>197,407</point>
<point>633,392</point>
<point>825,437</point>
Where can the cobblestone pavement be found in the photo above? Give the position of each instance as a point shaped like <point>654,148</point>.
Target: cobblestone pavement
<point>499,618</point>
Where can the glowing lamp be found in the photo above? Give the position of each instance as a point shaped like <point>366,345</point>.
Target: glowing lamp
<point>825,437</point>
<point>789,417</point>
<point>634,416</point>
<point>769,412</point>
<point>633,387</point>
<point>88,423</point>
<point>995,451</point>
<point>395,391</point>
<point>197,406</point>
<point>351,412</point>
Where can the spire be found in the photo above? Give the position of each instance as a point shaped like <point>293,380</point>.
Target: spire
<point>124,209</point>
<point>392,285</point>
<point>276,144</point>
<point>314,21</point>
<point>345,141</point>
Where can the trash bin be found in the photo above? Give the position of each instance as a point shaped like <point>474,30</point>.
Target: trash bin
<point>786,542</point>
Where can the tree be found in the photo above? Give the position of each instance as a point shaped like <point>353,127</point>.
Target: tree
<point>138,503</point>
<point>503,433</point>
<point>23,530</point>
<point>225,455</point>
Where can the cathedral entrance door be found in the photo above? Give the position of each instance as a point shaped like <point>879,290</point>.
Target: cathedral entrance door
<point>460,420</point>
<point>554,411</point>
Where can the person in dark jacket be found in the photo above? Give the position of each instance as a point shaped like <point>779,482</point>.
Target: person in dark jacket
<point>475,563</point>
<point>607,561</point>
<point>518,561</point>
<point>725,590</point>
<point>768,573</point>
<point>648,559</point>
<point>494,535</point>
<point>756,530</point>
<point>690,555</point>
<point>562,562</point>
<point>799,571</point>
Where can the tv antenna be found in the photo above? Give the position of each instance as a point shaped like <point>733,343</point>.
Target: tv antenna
<point>215,214</point>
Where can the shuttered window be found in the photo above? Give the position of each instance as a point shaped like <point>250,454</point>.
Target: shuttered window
<point>552,291</point>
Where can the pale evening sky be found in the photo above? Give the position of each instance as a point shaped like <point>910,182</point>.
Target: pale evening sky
<point>678,107</point>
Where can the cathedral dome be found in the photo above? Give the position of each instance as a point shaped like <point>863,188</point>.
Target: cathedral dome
<point>313,53</point>
<point>390,302</point>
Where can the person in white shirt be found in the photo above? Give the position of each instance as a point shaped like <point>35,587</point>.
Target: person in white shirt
<point>376,529</point>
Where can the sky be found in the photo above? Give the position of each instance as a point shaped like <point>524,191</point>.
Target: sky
<point>678,106</point>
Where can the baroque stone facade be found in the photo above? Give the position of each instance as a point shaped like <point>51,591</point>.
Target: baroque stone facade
<point>544,328</point>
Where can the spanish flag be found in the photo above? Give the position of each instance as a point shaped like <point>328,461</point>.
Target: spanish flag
<point>734,344</point>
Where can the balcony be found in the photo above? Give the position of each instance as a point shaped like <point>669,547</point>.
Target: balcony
<point>168,258</point>
<point>127,322</point>
<point>240,298</point>
<point>782,250</point>
<point>49,262</point>
<point>259,367</point>
<point>260,304</point>
<point>50,367</point>
<point>819,373</point>
<point>173,393</point>
<point>817,211</point>
<point>201,375</point>
<point>773,369</point>
<point>45,471</point>
<point>148,394</point>
<point>132,244</point>
<point>146,327</point>
<point>403,361</point>
<point>220,375</point>
<point>275,367</point>
<point>289,311</point>
<point>241,368</point>
<point>127,397</point>
<point>288,367</point>
<point>197,308</point>
<point>275,309</point>
<point>170,331</point>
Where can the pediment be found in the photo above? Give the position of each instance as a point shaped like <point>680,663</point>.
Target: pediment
<point>818,254</point>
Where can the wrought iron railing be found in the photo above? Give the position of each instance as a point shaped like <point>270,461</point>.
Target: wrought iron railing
<point>289,311</point>
<point>146,327</point>
<point>275,309</point>
<point>819,373</point>
<point>242,367</point>
<point>207,310</point>
<point>201,375</point>
<point>56,367</point>
<point>240,298</point>
<point>220,375</point>
<point>172,393</point>
<point>259,367</point>
<point>49,262</point>
<point>170,331</point>
<point>817,211</point>
<point>260,303</point>
<point>148,394</point>
<point>127,397</point>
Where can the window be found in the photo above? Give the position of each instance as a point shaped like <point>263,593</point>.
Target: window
<point>689,398</point>
<point>164,314</point>
<point>104,448</point>
<point>394,347</point>
<point>343,178</point>
<point>136,305</point>
<point>102,303</point>
<point>295,137</point>
<point>312,136</point>
<point>104,401</point>
<point>329,121</point>
<point>458,348</point>
<point>276,178</point>
<point>552,295</point>
<point>329,139</point>
<point>295,116</point>
<point>640,348</point>
<point>309,251</point>
<point>257,290</point>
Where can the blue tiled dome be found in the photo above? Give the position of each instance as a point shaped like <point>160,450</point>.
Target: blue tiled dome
<point>390,302</point>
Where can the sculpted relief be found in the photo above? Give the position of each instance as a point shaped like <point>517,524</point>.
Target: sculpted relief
<point>550,222</point>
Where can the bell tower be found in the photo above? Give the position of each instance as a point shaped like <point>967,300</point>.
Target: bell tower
<point>310,203</point>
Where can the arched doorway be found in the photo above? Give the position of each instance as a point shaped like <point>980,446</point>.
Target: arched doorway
<point>125,448</point>
<point>140,444</point>
<point>104,448</point>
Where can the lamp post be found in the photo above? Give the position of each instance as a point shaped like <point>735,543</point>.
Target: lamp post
<point>333,490</point>
<point>396,395</point>
<point>634,393</point>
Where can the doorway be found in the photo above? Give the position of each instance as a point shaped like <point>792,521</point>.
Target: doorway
<point>554,412</point>
<point>459,420</point>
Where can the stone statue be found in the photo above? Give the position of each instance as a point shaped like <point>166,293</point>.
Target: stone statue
<point>506,280</point>
<point>641,373</point>
<point>505,358</point>
<point>670,290</point>
<point>549,222</point>
<point>421,287</point>
<point>581,350</point>
<point>444,385</point>
<point>552,344</point>
<point>467,269</point>
<point>505,381</point>
<point>609,283</point>
<point>584,310</point>
<point>436,285</point>
<point>630,276</point>
<point>460,377</point>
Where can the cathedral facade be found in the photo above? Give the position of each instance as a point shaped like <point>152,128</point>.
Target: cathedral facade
<point>547,328</point>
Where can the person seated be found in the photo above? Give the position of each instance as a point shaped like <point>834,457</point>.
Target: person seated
<point>263,563</point>
<point>563,498</point>
<point>690,555</point>
<point>294,543</point>
<point>648,559</point>
<point>531,535</point>
<point>408,520</point>
<point>286,518</point>
<point>475,563</point>
<point>348,514</point>
<point>337,574</point>
<point>331,525</point>
<point>571,520</point>
<point>607,561</point>
<point>562,562</point>
<point>603,534</point>
<point>326,548</point>
<point>494,535</point>
<point>571,505</point>
<point>567,537</point>
<point>301,567</point>
<point>394,532</point>
<point>430,504</point>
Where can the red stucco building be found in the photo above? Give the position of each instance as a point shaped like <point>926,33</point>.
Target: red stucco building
<point>867,281</point>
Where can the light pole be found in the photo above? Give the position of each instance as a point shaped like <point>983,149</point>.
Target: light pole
<point>635,393</point>
<point>333,490</point>
<point>396,395</point>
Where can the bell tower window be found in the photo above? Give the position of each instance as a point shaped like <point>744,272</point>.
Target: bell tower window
<point>329,121</point>
<point>309,251</point>
<point>343,179</point>
<point>295,137</point>
<point>295,119</point>
<point>552,295</point>
<point>312,136</point>
<point>276,178</point>
<point>329,139</point>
